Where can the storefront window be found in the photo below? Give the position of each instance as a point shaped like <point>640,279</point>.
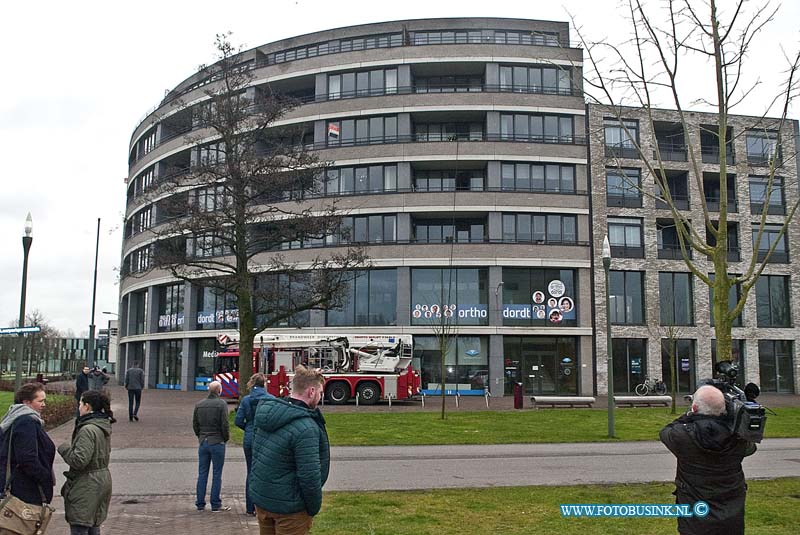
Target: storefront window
<point>216,309</point>
<point>539,297</point>
<point>545,365</point>
<point>457,296</point>
<point>683,364</point>
<point>205,351</point>
<point>169,364</point>
<point>170,307</point>
<point>630,363</point>
<point>466,362</point>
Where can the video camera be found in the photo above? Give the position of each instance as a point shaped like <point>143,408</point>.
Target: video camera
<point>746,417</point>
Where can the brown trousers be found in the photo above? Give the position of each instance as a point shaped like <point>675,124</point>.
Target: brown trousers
<point>275,524</point>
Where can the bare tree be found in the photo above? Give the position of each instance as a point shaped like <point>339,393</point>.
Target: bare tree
<point>251,191</point>
<point>652,63</point>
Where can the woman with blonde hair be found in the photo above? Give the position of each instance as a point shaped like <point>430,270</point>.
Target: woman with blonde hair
<point>245,417</point>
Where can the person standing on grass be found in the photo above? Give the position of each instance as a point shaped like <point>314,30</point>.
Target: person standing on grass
<point>32,451</point>
<point>87,490</point>
<point>210,424</point>
<point>291,457</point>
<point>245,418</point>
<point>134,384</point>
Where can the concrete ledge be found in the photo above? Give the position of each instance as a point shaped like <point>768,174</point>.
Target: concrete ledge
<point>642,401</point>
<point>562,401</point>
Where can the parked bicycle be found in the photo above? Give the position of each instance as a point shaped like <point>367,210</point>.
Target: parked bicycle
<point>651,386</point>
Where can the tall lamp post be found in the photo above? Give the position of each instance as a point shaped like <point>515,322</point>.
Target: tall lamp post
<point>610,362</point>
<point>90,353</point>
<point>27,240</point>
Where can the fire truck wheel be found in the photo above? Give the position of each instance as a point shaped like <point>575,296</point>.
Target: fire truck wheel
<point>369,393</point>
<point>338,393</point>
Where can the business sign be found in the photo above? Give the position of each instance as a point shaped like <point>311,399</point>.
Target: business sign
<point>451,310</point>
<point>168,320</point>
<point>552,306</point>
<point>20,330</point>
<point>218,316</point>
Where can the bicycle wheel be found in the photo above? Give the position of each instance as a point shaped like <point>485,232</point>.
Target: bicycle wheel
<point>641,389</point>
<point>661,388</point>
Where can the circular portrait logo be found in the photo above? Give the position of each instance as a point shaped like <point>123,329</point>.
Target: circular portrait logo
<point>556,288</point>
<point>538,297</point>
<point>566,304</point>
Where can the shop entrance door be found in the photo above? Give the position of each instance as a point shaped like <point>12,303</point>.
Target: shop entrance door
<point>538,365</point>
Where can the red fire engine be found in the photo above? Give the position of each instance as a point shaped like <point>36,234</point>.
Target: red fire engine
<point>363,366</point>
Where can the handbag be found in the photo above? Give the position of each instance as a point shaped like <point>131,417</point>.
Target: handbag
<point>16,516</point>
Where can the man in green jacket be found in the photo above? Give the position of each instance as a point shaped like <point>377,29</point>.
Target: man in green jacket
<point>291,457</point>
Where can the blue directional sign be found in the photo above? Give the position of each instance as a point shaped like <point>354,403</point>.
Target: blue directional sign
<point>20,330</point>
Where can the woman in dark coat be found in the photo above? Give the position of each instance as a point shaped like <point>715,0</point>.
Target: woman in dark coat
<point>32,451</point>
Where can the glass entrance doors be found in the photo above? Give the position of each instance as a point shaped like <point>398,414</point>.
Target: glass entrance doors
<point>544,365</point>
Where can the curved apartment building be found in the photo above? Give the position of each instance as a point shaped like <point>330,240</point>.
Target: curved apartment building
<point>458,151</point>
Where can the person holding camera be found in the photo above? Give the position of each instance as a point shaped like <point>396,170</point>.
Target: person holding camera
<point>709,457</point>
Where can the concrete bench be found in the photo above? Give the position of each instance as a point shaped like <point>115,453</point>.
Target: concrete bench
<point>562,401</point>
<point>642,401</point>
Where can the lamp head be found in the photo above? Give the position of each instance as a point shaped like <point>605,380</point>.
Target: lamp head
<point>28,225</point>
<point>606,248</point>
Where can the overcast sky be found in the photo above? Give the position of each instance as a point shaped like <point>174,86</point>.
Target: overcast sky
<point>79,76</point>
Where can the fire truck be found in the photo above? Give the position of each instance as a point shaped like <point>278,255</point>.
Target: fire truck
<point>364,366</point>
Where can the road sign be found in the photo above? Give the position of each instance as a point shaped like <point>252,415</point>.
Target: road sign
<point>20,330</point>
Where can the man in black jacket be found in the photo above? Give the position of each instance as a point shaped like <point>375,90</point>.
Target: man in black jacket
<point>709,465</point>
<point>210,424</point>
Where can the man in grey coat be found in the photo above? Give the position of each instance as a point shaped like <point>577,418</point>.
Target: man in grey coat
<point>134,383</point>
<point>210,424</point>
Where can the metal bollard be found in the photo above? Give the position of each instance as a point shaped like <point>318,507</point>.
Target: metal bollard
<point>357,399</point>
<point>457,397</point>
<point>389,396</point>
<point>423,400</point>
<point>487,395</point>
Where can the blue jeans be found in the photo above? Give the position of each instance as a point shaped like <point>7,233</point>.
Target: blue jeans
<point>210,454</point>
<point>83,530</point>
<point>248,460</point>
<point>134,400</point>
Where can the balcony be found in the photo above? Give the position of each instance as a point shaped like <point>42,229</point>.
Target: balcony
<point>626,251</point>
<point>777,257</point>
<point>681,202</point>
<point>712,202</point>
<point>622,151</point>
<point>671,152</point>
<point>623,201</point>
<point>710,154</point>
<point>756,208</point>
<point>672,251</point>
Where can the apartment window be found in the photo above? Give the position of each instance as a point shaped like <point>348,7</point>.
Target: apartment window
<point>770,236</point>
<point>371,299</point>
<point>431,132</point>
<point>772,301</point>
<point>625,237</point>
<point>170,307</point>
<point>734,294</point>
<point>762,147</point>
<point>758,196</point>
<point>536,128</point>
<point>545,178</point>
<point>211,199</point>
<point>355,180</point>
<point>366,229</point>
<point>211,154</point>
<point>540,228</point>
<point>211,244</point>
<point>675,298</point>
<point>137,316</point>
<point>140,260</point>
<point>547,80</point>
<point>775,366</point>
<point>619,143</point>
<point>362,84</point>
<point>443,231</point>
<point>669,245</point>
<point>630,363</point>
<point>733,240</point>
<point>144,181</point>
<point>448,180</point>
<point>448,84</point>
<point>348,132</point>
<point>148,142</point>
<point>684,365</point>
<point>626,293</point>
<point>623,187</point>
<point>459,296</point>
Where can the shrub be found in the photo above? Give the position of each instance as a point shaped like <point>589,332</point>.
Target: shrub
<point>58,409</point>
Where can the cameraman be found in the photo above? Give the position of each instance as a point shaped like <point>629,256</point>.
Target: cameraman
<point>709,465</point>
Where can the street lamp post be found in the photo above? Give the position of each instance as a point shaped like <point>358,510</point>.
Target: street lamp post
<point>91,346</point>
<point>609,350</point>
<point>27,240</point>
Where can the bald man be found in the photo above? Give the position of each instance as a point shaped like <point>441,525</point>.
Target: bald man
<point>210,424</point>
<point>709,465</point>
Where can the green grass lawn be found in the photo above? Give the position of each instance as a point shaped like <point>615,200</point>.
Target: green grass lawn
<point>511,427</point>
<point>771,509</point>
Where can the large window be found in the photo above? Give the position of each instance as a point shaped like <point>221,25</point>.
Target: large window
<point>448,84</point>
<point>357,180</point>
<point>543,364</point>
<point>447,231</point>
<point>457,296</point>
<point>366,229</point>
<point>775,204</point>
<point>619,142</point>
<point>630,363</point>
<point>362,84</point>
<point>448,179</point>
<point>169,364</point>
<point>536,128</point>
<point>772,301</point>
<point>675,298</point>
<point>537,177</point>
<point>769,236</point>
<point>540,228</point>
<point>427,132</point>
<point>211,199</point>
<point>205,349</point>
<point>170,307</point>
<point>466,362</point>
<point>684,366</point>
<point>627,297</point>
<point>775,366</point>
<point>548,80</point>
<point>216,309</point>
<point>137,316</point>
<point>539,297</point>
<point>625,237</point>
<point>734,293</point>
<point>762,146</point>
<point>623,188</point>
<point>371,300</point>
<point>348,132</point>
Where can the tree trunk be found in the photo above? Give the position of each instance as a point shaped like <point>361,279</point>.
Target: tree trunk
<point>443,343</point>
<point>673,373</point>
<point>246,336</point>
